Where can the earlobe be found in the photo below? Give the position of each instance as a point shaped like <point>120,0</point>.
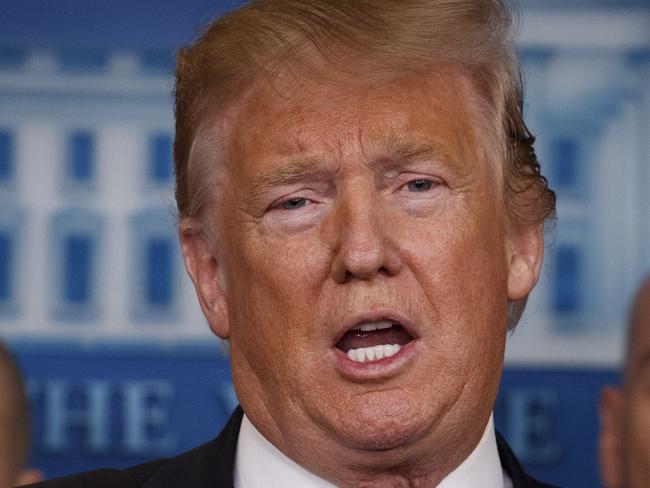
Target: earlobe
<point>609,444</point>
<point>525,253</point>
<point>205,272</point>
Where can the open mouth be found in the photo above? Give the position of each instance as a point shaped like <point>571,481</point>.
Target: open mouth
<point>372,341</point>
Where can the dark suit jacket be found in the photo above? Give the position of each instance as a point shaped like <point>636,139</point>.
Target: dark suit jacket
<point>211,466</point>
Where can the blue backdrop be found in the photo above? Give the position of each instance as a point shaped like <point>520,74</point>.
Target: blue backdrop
<point>119,363</point>
<point>117,406</point>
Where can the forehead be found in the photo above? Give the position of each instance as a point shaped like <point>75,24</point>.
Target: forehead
<point>304,115</point>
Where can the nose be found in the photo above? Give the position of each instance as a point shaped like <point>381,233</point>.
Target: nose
<point>363,245</point>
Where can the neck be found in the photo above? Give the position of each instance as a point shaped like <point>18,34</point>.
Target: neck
<point>421,463</point>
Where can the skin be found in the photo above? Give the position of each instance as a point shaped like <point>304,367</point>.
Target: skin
<point>7,464</point>
<point>351,198</point>
<point>12,442</point>
<point>625,411</point>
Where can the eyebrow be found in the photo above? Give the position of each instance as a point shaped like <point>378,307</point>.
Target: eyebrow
<point>410,149</point>
<point>390,153</point>
<point>394,150</point>
<point>294,170</point>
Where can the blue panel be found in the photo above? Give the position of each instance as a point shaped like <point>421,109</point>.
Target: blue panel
<point>6,265</point>
<point>534,55</point>
<point>78,260</point>
<point>159,272</point>
<point>6,156</point>
<point>12,56</point>
<point>81,164</point>
<point>76,237</point>
<point>158,61</point>
<point>85,402</point>
<point>122,405</point>
<point>119,23</point>
<point>80,60</point>
<point>565,163</point>
<point>160,163</point>
<point>639,56</point>
<point>550,419</point>
<point>154,296</point>
<point>131,24</point>
<point>566,279</point>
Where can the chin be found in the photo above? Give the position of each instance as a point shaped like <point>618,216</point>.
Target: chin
<point>385,440</point>
<point>379,424</point>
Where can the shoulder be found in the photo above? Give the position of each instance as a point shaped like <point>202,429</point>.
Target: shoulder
<point>140,476</point>
<point>208,465</point>
<point>133,477</point>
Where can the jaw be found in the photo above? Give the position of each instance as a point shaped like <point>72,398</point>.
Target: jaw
<point>370,417</point>
<point>357,433</point>
<point>384,441</point>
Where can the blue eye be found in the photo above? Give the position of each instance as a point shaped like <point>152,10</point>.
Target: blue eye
<point>293,203</point>
<point>420,185</point>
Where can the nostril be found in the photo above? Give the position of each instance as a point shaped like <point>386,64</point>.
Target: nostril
<point>363,274</point>
<point>345,270</point>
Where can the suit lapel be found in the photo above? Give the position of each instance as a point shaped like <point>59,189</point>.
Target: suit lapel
<point>511,465</point>
<point>208,466</point>
<point>212,465</point>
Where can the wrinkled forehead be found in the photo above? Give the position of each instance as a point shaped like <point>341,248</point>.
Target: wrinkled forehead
<point>291,112</point>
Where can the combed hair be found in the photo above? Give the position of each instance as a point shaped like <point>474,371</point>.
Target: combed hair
<point>386,38</point>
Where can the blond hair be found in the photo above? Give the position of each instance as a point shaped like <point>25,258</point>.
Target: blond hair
<point>391,37</point>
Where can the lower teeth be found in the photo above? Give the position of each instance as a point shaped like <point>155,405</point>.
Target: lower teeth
<point>373,353</point>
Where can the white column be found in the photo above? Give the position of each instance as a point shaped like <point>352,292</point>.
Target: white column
<point>119,158</point>
<point>39,152</point>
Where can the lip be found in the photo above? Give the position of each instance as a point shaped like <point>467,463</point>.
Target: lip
<point>382,368</point>
<point>374,316</point>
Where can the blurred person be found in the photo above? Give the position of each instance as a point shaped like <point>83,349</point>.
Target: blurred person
<point>625,410</point>
<point>14,425</point>
<point>362,213</point>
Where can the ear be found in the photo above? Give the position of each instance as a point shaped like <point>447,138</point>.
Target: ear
<point>525,252</point>
<point>610,441</point>
<point>204,270</point>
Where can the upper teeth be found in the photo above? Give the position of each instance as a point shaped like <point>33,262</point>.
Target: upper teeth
<point>370,326</point>
<point>373,353</point>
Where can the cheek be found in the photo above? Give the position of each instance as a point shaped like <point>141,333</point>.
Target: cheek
<point>460,266</point>
<point>282,272</point>
<point>462,255</point>
<point>271,292</point>
<point>638,428</point>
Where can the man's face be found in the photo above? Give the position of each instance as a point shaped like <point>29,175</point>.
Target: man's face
<point>365,217</point>
<point>625,438</point>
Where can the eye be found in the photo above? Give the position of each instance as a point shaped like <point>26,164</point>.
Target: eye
<point>420,185</point>
<point>292,203</point>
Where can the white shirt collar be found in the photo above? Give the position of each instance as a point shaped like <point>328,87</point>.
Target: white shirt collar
<point>259,464</point>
